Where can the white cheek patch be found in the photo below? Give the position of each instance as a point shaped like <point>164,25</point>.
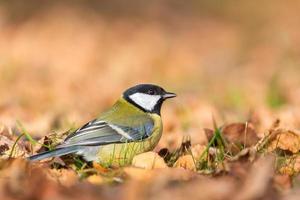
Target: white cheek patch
<point>146,101</point>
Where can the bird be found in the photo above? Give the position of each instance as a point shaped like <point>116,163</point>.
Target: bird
<point>132,126</point>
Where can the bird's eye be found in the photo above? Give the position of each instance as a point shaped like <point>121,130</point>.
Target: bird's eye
<point>151,92</point>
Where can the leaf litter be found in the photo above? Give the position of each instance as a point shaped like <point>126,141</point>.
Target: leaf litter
<point>240,159</point>
<point>234,161</point>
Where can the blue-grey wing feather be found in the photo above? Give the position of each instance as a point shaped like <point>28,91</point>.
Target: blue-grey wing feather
<point>99,132</point>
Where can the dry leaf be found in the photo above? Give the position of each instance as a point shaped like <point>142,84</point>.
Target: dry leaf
<point>138,173</point>
<point>209,133</point>
<point>95,179</point>
<point>159,175</point>
<point>238,136</point>
<point>282,181</point>
<point>257,182</point>
<point>6,150</point>
<point>148,160</point>
<point>249,153</point>
<point>291,166</point>
<point>186,162</point>
<point>63,176</point>
<point>40,145</point>
<point>285,140</point>
<point>197,150</point>
<point>200,188</point>
<point>242,133</point>
<point>15,171</point>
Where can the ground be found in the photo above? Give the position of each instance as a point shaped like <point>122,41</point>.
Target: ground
<point>232,132</point>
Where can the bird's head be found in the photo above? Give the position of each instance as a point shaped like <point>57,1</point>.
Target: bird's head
<point>147,97</point>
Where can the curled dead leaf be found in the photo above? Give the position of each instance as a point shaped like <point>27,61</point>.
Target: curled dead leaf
<point>242,133</point>
<point>186,162</point>
<point>197,150</point>
<point>9,147</point>
<point>282,182</point>
<point>291,166</point>
<point>209,133</point>
<point>50,140</point>
<point>40,146</point>
<point>249,153</point>
<point>95,179</point>
<point>15,170</point>
<point>65,177</point>
<point>138,173</point>
<point>148,160</point>
<point>285,140</point>
<point>257,184</point>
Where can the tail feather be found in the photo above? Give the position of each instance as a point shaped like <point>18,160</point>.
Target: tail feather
<point>54,153</point>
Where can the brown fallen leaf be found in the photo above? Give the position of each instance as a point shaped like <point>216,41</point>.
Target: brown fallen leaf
<point>138,173</point>
<point>15,171</point>
<point>22,180</point>
<point>65,177</point>
<point>258,180</point>
<point>19,180</point>
<point>50,140</point>
<point>209,133</point>
<point>200,188</point>
<point>282,182</point>
<point>9,148</point>
<point>239,170</point>
<point>286,140</point>
<point>159,175</point>
<point>148,160</point>
<point>186,162</point>
<point>239,134</point>
<point>291,166</point>
<point>249,153</point>
<point>40,146</point>
<point>95,179</point>
<point>145,184</point>
<point>197,150</point>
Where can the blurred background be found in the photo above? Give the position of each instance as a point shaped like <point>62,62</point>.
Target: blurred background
<point>63,62</point>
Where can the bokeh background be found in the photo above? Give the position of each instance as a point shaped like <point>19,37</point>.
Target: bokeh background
<point>63,62</point>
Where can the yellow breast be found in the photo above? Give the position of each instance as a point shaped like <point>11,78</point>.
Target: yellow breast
<point>122,153</point>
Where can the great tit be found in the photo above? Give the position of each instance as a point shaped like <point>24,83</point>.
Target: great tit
<point>132,126</point>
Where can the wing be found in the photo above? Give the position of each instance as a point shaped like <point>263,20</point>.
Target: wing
<point>101,132</point>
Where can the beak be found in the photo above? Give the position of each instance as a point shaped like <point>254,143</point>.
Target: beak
<point>169,95</point>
